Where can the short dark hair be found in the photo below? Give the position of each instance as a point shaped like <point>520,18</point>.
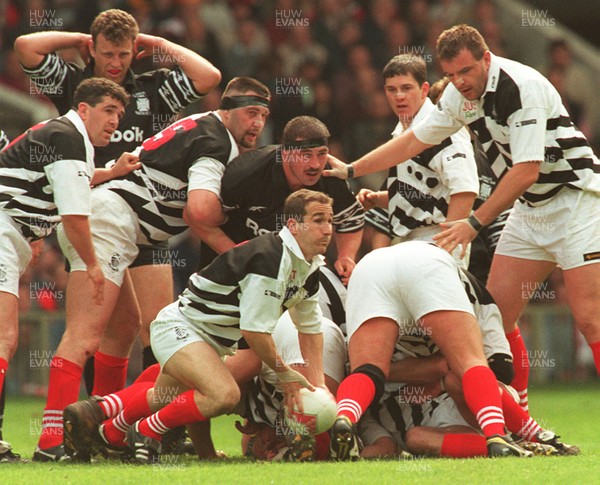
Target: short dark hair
<point>92,90</point>
<point>296,203</point>
<point>406,64</point>
<point>455,39</point>
<point>242,85</point>
<point>116,25</point>
<point>304,128</point>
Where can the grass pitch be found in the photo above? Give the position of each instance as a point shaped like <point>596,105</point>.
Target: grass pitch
<point>571,411</point>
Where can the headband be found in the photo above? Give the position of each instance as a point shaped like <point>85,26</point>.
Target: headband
<point>309,143</point>
<point>233,102</point>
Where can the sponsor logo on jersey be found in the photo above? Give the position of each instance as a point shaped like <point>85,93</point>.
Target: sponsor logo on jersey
<point>182,333</point>
<point>255,228</point>
<point>469,109</point>
<point>133,134</point>
<point>256,208</point>
<point>142,104</point>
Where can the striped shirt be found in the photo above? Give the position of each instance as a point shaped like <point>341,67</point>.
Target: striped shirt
<point>190,154</point>
<point>519,118</point>
<point>46,173</point>
<point>156,97</point>
<point>250,286</point>
<point>419,189</point>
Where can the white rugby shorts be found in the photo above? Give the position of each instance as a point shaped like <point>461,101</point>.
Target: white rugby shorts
<point>565,230</point>
<point>115,228</point>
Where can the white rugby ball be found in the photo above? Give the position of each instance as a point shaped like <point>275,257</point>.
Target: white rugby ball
<point>318,404</point>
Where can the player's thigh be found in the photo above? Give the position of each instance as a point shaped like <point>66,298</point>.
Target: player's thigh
<point>153,286</point>
<point>198,366</point>
<point>511,283</point>
<point>373,343</point>
<point>126,314</point>
<point>457,335</point>
<point>9,324</point>
<point>583,290</point>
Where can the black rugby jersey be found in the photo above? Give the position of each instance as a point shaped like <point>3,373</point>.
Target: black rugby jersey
<point>46,173</point>
<point>158,191</point>
<point>156,97</point>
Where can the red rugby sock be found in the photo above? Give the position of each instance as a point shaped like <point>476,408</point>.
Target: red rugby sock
<point>354,395</point>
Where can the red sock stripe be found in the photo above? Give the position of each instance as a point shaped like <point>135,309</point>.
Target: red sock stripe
<point>63,389</point>
<point>354,395</point>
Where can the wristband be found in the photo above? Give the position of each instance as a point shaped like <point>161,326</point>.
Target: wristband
<point>475,223</point>
<point>350,169</point>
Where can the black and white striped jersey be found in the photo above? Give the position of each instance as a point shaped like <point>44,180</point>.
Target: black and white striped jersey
<point>46,173</point>
<point>250,286</point>
<point>190,154</point>
<point>156,97</point>
<point>519,118</point>
<point>419,189</point>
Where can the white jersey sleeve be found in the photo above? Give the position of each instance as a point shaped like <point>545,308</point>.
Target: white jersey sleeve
<point>456,165</point>
<point>70,181</point>
<point>206,173</point>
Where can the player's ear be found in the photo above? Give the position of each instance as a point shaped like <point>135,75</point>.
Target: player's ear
<point>292,225</point>
<point>83,110</point>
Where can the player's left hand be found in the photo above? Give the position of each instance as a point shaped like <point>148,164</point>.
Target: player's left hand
<point>455,233</point>
<point>338,168</point>
<point>344,267</point>
<point>126,163</point>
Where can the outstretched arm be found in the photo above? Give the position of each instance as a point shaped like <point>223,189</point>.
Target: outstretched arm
<point>391,153</point>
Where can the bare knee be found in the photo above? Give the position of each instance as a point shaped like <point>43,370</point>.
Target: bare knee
<point>422,441</point>
<point>229,399</point>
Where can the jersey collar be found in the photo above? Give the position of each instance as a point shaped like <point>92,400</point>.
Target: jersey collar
<point>493,75</point>
<point>289,241</point>
<point>424,110</point>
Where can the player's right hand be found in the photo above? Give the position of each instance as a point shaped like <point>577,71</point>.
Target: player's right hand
<point>291,382</point>
<point>95,274</point>
<point>127,162</point>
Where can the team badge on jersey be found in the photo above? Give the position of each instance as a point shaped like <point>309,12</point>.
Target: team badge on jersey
<point>142,103</point>
<point>115,262</point>
<point>182,333</point>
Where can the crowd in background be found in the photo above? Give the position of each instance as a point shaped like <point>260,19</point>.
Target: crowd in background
<point>322,58</point>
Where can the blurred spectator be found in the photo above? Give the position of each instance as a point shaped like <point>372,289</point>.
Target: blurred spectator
<point>574,82</point>
<point>244,55</point>
<point>299,48</point>
<point>381,13</point>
